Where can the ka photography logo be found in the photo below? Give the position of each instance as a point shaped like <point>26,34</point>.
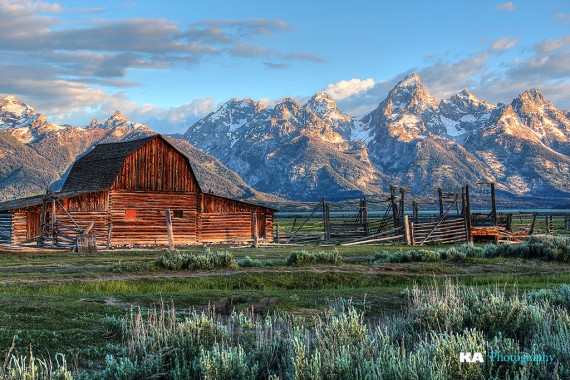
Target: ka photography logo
<point>471,357</point>
<point>498,357</point>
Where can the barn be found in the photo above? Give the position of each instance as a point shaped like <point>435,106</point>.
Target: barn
<point>120,193</point>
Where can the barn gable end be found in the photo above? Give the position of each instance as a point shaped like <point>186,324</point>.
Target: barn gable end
<point>156,166</point>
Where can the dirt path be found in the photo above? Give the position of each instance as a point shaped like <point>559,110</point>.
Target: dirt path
<point>410,270</point>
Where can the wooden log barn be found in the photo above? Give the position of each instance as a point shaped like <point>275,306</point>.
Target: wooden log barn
<point>121,193</point>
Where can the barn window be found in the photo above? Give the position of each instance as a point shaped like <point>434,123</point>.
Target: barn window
<point>130,214</point>
<point>178,214</point>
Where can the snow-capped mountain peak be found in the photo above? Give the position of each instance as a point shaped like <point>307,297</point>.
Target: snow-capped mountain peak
<point>22,118</point>
<point>410,94</point>
<point>322,105</point>
<point>12,105</point>
<point>119,121</point>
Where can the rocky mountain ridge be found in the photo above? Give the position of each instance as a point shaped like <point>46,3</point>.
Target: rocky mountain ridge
<point>307,151</point>
<point>410,139</point>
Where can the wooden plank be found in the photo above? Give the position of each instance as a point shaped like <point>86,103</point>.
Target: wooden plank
<point>368,241</point>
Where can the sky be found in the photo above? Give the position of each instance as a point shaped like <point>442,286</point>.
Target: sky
<point>169,63</point>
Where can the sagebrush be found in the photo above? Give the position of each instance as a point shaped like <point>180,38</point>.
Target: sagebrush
<point>423,342</point>
<point>196,261</point>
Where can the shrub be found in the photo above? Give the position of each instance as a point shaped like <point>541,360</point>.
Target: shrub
<point>407,256</point>
<point>248,262</point>
<point>551,248</point>
<point>206,260</point>
<point>300,258</point>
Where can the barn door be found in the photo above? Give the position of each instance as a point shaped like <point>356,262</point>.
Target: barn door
<point>33,224</point>
<point>261,225</point>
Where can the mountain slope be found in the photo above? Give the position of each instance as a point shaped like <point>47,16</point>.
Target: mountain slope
<point>518,155</point>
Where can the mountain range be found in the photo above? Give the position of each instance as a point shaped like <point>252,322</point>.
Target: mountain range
<point>303,152</point>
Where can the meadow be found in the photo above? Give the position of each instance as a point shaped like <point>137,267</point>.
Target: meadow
<point>287,312</point>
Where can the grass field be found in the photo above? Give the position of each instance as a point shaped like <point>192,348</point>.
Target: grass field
<point>68,303</point>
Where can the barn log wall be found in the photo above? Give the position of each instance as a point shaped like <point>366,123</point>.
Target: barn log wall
<point>5,228</point>
<point>222,226</point>
<point>156,166</point>
<point>224,219</point>
<point>148,227</point>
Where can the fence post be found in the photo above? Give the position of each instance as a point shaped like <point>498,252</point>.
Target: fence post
<point>407,234</point>
<point>53,222</point>
<point>169,230</point>
<point>468,219</point>
<point>365,216</point>
<point>109,234</point>
<point>440,193</point>
<point>255,234</point>
<point>494,204</point>
<point>395,213</point>
<point>326,220</point>
<point>277,233</point>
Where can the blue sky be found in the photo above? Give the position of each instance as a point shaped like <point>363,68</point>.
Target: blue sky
<point>169,63</point>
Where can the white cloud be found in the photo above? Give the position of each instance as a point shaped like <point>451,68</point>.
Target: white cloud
<point>549,46</point>
<point>505,43</point>
<point>564,17</point>
<point>347,88</point>
<point>509,7</point>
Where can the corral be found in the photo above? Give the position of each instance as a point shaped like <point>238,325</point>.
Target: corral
<point>401,219</point>
<point>140,192</point>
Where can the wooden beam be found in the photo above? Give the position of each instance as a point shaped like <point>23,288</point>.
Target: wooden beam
<point>306,220</point>
<point>89,228</point>
<point>365,216</point>
<point>531,232</point>
<point>396,237</point>
<point>402,204</point>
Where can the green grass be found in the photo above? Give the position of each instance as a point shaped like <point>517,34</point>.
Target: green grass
<point>61,302</point>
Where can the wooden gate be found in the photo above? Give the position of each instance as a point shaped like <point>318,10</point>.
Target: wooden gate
<point>450,230</point>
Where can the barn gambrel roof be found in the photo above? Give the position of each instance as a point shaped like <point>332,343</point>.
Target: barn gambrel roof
<point>98,169</point>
